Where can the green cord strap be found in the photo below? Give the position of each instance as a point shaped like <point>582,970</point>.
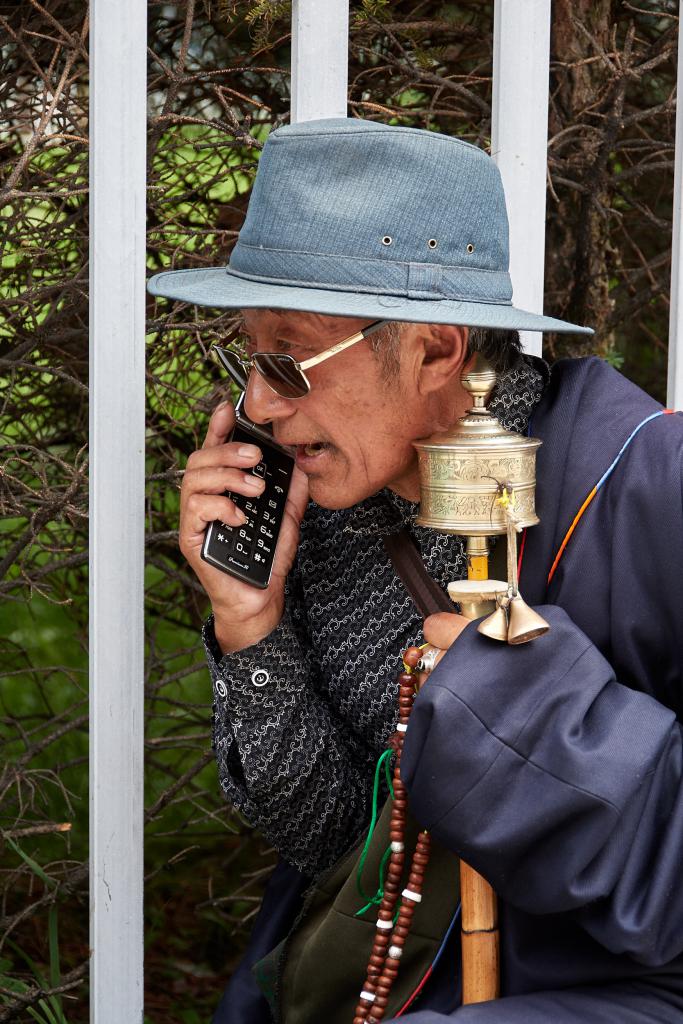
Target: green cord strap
<point>382,763</point>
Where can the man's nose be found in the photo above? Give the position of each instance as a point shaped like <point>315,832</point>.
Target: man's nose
<point>261,404</point>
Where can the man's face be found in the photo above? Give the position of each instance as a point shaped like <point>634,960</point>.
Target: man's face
<point>353,431</point>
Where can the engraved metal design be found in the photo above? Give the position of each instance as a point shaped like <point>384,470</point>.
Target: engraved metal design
<point>474,514</point>
<point>454,468</point>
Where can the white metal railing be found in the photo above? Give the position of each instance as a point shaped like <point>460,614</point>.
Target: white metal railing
<point>674,391</point>
<point>118,104</point>
<point>320,65</point>
<point>117,215</point>
<point>519,142</point>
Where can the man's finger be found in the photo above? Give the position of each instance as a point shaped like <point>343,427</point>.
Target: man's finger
<point>298,493</point>
<point>221,423</point>
<point>442,628</point>
<point>202,510</point>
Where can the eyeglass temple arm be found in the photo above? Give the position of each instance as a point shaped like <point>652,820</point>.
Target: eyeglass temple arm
<point>341,345</point>
<point>314,360</point>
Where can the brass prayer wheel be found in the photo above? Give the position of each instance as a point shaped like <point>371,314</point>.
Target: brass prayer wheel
<point>463,469</point>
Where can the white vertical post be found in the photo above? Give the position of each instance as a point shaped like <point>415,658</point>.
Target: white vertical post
<point>519,141</point>
<point>320,59</point>
<point>674,390</point>
<point>117,438</point>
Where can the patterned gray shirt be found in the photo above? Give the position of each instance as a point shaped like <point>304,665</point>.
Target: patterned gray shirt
<point>301,717</point>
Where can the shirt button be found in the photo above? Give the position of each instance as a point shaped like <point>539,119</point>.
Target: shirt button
<point>260,677</point>
<point>221,688</point>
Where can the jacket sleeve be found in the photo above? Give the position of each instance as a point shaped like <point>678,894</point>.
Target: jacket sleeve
<point>558,784</point>
<point>292,767</point>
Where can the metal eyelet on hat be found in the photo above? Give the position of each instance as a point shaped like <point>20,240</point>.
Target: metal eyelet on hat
<point>260,677</point>
<point>432,243</point>
<point>470,247</point>
<point>387,240</point>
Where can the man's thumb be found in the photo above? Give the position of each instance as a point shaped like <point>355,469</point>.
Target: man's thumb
<point>442,628</point>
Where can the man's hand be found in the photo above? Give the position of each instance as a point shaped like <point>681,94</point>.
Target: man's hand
<point>243,614</point>
<point>440,630</point>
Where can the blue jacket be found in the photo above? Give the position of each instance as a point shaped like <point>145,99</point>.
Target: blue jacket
<point>555,768</point>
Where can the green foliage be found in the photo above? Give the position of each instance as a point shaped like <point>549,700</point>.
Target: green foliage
<point>48,1010</point>
<point>263,15</point>
<point>376,10</point>
<point>614,358</point>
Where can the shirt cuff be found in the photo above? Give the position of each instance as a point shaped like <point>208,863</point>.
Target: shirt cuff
<point>259,680</point>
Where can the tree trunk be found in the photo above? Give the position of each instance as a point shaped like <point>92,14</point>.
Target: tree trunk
<point>586,101</point>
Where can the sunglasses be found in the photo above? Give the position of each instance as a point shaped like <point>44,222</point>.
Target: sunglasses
<point>280,371</point>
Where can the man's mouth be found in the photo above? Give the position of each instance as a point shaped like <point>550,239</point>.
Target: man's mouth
<point>308,452</point>
<point>313,448</point>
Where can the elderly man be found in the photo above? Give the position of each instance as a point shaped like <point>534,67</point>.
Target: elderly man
<point>554,769</point>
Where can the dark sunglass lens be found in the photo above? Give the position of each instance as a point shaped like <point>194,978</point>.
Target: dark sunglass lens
<point>235,366</point>
<point>281,373</point>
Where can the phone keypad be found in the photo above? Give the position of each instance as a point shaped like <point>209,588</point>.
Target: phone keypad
<point>247,551</point>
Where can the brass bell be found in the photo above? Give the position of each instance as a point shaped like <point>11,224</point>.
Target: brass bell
<point>495,625</point>
<point>524,623</point>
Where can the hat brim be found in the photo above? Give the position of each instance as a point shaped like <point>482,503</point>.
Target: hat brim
<point>219,288</point>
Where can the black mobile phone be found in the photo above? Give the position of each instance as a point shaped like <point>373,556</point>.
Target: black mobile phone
<point>247,551</point>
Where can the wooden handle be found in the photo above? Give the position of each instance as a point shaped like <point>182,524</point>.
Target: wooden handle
<point>480,935</point>
<point>480,938</point>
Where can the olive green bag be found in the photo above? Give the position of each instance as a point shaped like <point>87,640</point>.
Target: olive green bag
<point>317,973</point>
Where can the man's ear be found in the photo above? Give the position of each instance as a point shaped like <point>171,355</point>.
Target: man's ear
<point>443,354</point>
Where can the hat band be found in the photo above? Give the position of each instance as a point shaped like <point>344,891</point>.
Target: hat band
<point>373,276</point>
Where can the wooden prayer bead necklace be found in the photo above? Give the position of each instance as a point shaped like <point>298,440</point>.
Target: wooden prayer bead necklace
<point>389,937</point>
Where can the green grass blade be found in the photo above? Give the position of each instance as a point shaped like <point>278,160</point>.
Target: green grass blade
<point>47,1015</point>
<point>55,973</point>
<point>34,866</point>
<point>20,987</point>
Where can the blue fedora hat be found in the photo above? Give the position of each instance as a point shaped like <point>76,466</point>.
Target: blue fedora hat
<point>356,218</point>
